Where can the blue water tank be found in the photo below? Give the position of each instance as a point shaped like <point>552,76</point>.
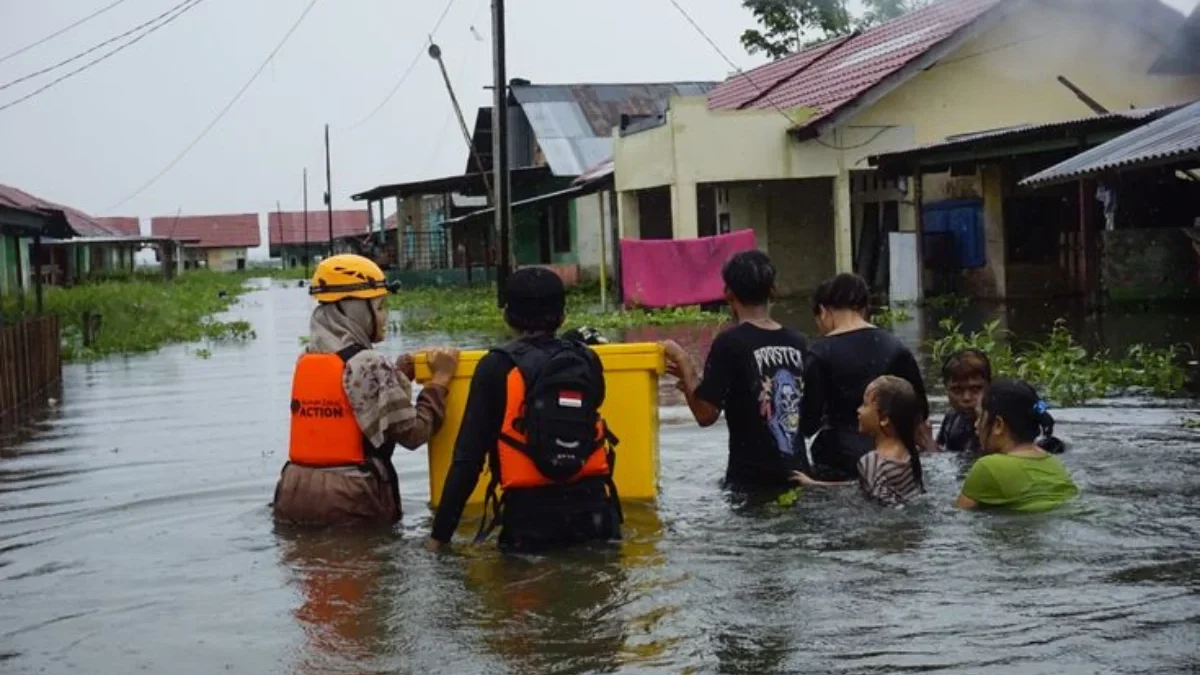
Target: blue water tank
<point>962,218</point>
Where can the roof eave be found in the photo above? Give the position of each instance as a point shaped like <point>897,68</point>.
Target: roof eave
<point>890,83</point>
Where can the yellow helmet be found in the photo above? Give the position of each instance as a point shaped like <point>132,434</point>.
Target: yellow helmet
<point>348,276</point>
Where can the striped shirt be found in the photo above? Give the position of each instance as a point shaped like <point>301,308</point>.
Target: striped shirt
<point>886,481</point>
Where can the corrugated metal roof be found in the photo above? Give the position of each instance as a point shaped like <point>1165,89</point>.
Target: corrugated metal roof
<point>346,223</point>
<point>829,75</point>
<point>1175,136</point>
<point>238,230</point>
<point>126,225</point>
<point>573,123</point>
<point>81,223</point>
<point>1008,136</point>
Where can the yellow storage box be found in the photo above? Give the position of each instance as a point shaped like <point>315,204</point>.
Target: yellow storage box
<point>631,373</point>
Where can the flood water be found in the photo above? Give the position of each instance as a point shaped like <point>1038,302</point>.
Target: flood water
<point>135,536</point>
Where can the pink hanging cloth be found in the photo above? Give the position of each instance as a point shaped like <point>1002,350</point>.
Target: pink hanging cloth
<point>659,273</point>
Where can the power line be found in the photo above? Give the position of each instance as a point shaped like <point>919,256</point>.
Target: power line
<point>55,34</point>
<point>97,60</point>
<point>177,10</point>
<point>407,71</point>
<point>196,141</point>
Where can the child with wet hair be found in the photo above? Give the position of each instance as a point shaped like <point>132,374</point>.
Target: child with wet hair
<point>890,414</point>
<point>1019,470</point>
<point>966,374</point>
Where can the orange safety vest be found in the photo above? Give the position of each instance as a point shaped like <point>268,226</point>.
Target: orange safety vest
<point>517,469</point>
<point>324,431</point>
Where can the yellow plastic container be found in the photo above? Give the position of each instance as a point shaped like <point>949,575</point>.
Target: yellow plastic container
<point>631,373</point>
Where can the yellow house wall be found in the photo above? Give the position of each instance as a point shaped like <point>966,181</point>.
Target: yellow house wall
<point>1007,76</point>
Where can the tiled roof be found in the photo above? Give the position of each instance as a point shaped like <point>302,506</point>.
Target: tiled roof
<point>833,74</point>
<point>1173,137</point>
<point>573,123</point>
<point>346,223</point>
<point>219,231</point>
<point>82,224</point>
<point>125,225</point>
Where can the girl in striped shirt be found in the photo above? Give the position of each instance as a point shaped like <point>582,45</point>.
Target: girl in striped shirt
<point>891,473</point>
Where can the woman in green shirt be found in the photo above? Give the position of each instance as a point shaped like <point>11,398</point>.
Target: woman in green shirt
<point>1016,473</point>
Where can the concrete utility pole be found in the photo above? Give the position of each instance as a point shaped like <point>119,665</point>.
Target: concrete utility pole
<point>500,147</point>
<point>329,190</point>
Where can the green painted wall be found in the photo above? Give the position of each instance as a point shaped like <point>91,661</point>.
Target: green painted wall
<point>570,257</point>
<point>8,265</point>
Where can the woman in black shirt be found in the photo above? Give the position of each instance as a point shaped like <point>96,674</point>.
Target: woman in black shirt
<point>850,356</point>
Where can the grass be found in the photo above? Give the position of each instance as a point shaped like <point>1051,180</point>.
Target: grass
<point>140,313</point>
<point>474,310</point>
<point>1064,371</point>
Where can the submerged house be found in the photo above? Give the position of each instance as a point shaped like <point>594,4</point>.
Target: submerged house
<point>784,149</point>
<point>288,241</point>
<point>558,132</point>
<point>215,242</point>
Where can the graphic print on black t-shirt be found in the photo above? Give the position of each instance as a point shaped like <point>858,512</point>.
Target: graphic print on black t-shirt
<point>781,390</point>
<point>756,376</point>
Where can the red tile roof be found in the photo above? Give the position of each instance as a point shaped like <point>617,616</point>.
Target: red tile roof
<point>82,224</point>
<point>830,75</point>
<point>126,225</point>
<point>222,231</point>
<point>346,223</point>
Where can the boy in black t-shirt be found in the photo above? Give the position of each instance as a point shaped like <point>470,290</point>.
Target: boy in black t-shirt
<point>967,374</point>
<point>755,373</point>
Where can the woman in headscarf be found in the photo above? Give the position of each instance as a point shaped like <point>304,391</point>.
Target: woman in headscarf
<point>351,406</point>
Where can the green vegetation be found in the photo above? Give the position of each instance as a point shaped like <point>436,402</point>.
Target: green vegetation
<point>1063,370</point>
<point>138,312</point>
<point>474,310</point>
<point>888,317</point>
<point>1191,423</point>
<point>950,302</point>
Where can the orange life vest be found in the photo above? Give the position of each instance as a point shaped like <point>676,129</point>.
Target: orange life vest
<point>324,430</point>
<point>517,469</point>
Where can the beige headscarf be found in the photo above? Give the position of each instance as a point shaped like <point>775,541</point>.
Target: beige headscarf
<point>379,395</point>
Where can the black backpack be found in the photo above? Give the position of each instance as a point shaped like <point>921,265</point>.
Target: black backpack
<point>564,389</point>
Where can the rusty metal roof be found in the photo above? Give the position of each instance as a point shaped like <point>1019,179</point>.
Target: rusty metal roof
<point>239,230</point>
<point>1168,140</point>
<point>125,225</point>
<point>573,123</point>
<point>80,223</point>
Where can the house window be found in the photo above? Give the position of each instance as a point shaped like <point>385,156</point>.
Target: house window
<point>560,227</point>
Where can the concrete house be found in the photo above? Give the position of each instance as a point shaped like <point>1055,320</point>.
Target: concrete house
<point>784,148</point>
<point>217,242</point>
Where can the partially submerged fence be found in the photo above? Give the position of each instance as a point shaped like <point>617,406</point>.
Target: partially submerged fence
<point>30,361</point>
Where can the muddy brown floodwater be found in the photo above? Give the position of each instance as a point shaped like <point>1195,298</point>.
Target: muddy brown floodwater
<point>135,537</point>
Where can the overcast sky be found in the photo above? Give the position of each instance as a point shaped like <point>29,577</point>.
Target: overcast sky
<point>94,139</point>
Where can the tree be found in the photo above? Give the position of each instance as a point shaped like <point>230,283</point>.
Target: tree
<point>788,25</point>
<point>878,11</point>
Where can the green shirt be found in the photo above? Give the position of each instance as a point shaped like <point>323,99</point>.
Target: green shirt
<point>1024,484</point>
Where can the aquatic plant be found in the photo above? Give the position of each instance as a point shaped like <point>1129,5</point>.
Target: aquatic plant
<point>887,317</point>
<point>949,302</point>
<point>474,310</point>
<point>139,312</point>
<point>1062,369</point>
<point>1190,423</point>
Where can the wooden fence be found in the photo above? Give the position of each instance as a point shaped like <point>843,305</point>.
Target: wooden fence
<point>30,361</point>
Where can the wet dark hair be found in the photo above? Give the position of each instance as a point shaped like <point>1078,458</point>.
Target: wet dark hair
<point>967,363</point>
<point>750,277</point>
<point>845,291</point>
<point>897,401</point>
<point>1023,410</point>
<point>535,300</point>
